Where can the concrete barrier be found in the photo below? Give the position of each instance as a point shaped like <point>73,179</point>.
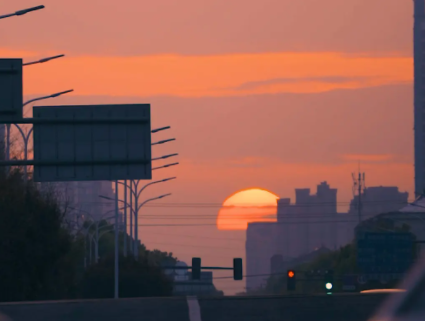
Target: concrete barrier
<point>355,307</point>
<point>351,307</point>
<point>161,309</point>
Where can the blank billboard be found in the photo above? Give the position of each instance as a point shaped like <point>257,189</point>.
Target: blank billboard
<point>128,145</point>
<point>10,89</point>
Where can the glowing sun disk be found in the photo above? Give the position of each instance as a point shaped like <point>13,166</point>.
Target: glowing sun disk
<point>246,206</point>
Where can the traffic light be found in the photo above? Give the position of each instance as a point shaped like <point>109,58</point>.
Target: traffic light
<point>196,268</point>
<point>237,269</point>
<point>329,281</point>
<point>290,280</point>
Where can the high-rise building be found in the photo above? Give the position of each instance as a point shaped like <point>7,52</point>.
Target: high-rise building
<point>374,201</point>
<point>309,223</point>
<point>419,94</point>
<point>82,198</point>
<point>377,200</point>
<point>261,244</point>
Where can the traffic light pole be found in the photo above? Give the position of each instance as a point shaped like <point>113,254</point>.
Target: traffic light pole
<point>196,268</point>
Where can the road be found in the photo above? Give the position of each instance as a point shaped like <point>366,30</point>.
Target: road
<point>283,308</point>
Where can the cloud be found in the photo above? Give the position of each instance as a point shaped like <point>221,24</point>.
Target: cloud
<point>371,158</point>
<point>216,76</point>
<point>331,80</point>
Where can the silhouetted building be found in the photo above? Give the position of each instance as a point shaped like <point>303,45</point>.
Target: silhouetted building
<point>276,264</point>
<point>309,223</point>
<point>377,200</point>
<point>280,266</point>
<point>419,94</point>
<point>374,201</point>
<point>82,198</point>
<point>310,227</point>
<point>261,241</point>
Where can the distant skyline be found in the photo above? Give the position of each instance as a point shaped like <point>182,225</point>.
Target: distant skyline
<point>279,95</point>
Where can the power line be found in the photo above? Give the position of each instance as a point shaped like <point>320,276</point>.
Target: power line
<point>248,216</point>
<point>197,246</point>
<point>219,205</point>
<point>237,224</point>
<point>249,276</point>
<point>201,236</point>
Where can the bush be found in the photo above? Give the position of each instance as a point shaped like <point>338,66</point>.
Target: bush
<point>136,279</point>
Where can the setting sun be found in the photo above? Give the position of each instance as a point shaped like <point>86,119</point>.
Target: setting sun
<point>246,206</point>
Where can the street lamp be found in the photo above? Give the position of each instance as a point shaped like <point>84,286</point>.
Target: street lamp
<point>96,241</point>
<point>159,129</point>
<point>49,96</point>
<point>140,191</point>
<point>134,192</point>
<point>102,217</point>
<point>42,60</point>
<point>137,208</point>
<point>96,244</point>
<point>125,217</point>
<point>26,137</point>
<point>22,12</point>
<point>136,226</point>
<point>164,157</point>
<point>165,166</point>
<point>163,141</point>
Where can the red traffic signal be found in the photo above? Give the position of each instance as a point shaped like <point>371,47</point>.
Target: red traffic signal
<point>290,280</point>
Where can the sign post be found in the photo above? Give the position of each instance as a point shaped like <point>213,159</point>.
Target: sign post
<point>81,143</point>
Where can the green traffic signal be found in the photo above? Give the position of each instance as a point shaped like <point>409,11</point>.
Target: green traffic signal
<point>329,280</point>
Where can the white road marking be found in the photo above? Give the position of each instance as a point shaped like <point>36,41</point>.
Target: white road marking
<point>194,309</point>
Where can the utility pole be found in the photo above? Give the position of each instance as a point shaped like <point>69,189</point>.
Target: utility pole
<point>359,188</point>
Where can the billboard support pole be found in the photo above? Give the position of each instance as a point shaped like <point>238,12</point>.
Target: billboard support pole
<point>116,242</point>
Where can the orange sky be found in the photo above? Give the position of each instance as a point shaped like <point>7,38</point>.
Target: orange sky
<point>278,94</point>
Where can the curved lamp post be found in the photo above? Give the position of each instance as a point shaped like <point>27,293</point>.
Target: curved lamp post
<point>26,137</point>
<point>22,12</point>
<point>43,60</point>
<point>137,208</point>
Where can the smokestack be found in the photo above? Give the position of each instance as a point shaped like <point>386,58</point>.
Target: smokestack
<point>419,8</point>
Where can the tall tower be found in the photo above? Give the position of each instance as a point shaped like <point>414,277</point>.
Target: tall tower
<point>419,94</point>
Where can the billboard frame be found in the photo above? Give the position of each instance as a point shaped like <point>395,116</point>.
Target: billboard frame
<point>11,89</point>
<point>85,143</point>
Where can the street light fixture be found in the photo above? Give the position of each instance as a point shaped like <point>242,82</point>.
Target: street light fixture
<point>26,137</point>
<point>165,166</point>
<point>164,157</point>
<point>137,207</point>
<point>22,12</point>
<point>42,60</point>
<point>136,227</point>
<point>163,141</point>
<point>159,129</point>
<point>47,97</point>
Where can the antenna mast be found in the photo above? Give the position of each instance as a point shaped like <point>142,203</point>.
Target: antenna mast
<point>359,188</point>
